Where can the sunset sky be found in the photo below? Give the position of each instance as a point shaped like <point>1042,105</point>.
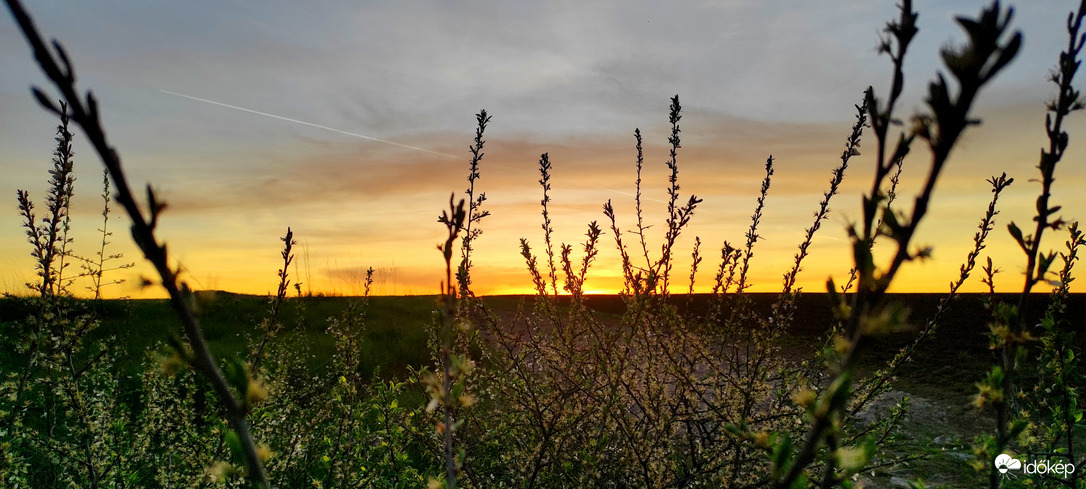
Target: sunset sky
<point>351,121</point>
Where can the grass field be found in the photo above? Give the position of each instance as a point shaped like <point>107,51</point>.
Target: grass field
<point>941,379</point>
<point>397,330</point>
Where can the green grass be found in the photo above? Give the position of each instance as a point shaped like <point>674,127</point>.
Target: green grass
<point>394,335</point>
<point>396,330</point>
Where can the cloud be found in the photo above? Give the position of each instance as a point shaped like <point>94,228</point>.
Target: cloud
<point>566,78</point>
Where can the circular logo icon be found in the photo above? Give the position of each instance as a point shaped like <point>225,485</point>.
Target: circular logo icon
<point>1005,462</point>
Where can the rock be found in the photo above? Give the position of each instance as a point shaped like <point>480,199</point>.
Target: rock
<point>945,440</point>
<point>965,457</point>
<point>899,482</point>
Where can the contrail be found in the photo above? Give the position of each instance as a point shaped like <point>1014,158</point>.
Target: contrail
<point>405,146</point>
<point>310,124</point>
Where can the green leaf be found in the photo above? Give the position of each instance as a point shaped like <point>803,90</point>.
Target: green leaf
<point>234,442</point>
<point>1006,54</point>
<point>836,300</point>
<point>865,264</point>
<point>1017,235</point>
<point>782,453</point>
<point>44,100</point>
<point>837,394</point>
<point>889,219</point>
<point>1043,263</point>
<point>852,459</point>
<point>237,375</point>
<point>173,338</point>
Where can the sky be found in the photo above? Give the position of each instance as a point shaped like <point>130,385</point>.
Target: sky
<point>350,122</point>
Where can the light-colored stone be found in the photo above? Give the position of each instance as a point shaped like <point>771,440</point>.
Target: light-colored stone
<point>899,482</point>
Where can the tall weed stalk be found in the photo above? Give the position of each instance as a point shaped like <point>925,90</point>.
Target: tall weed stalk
<point>1012,331</point>
<point>58,69</point>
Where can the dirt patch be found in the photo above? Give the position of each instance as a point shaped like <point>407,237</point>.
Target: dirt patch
<point>932,445</point>
<point>934,442</point>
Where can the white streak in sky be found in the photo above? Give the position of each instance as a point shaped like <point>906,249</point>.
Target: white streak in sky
<point>405,146</point>
<point>310,124</point>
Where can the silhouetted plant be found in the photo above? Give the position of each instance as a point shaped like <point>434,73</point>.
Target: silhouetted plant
<point>1011,332</point>
<point>49,237</point>
<point>96,267</point>
<point>972,65</point>
<point>447,389</point>
<point>475,213</point>
<point>61,429</point>
<point>58,69</point>
<point>271,325</point>
<point>878,382</point>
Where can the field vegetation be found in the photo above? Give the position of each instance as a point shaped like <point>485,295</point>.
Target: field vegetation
<point>656,387</point>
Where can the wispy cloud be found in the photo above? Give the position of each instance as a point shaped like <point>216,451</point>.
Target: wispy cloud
<point>310,124</point>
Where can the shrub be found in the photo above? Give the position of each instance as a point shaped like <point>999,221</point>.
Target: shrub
<point>561,395</point>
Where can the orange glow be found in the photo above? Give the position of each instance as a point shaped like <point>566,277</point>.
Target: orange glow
<point>343,131</point>
<point>347,218</point>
